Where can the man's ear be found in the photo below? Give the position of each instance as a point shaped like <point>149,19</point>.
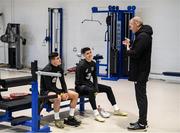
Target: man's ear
<point>138,24</point>
<point>50,61</point>
<point>83,56</point>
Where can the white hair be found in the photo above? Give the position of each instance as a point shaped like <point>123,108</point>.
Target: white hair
<point>137,20</point>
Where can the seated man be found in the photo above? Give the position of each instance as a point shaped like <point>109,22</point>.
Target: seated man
<point>84,86</point>
<point>48,87</point>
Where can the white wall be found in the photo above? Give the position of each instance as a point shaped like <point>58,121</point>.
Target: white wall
<point>162,15</point>
<point>2,46</point>
<point>179,35</point>
<point>164,18</point>
<point>5,8</point>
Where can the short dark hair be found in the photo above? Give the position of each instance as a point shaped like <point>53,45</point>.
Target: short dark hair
<point>53,55</point>
<point>83,50</point>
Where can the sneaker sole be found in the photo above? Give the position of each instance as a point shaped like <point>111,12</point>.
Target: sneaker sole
<point>137,130</point>
<point>75,125</point>
<point>59,127</point>
<point>105,116</point>
<point>100,121</point>
<point>70,124</point>
<point>121,115</point>
<point>134,124</point>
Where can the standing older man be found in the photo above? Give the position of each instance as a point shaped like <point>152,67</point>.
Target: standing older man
<point>140,61</point>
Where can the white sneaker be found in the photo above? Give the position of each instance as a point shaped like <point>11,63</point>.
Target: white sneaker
<point>99,118</point>
<point>120,113</point>
<point>104,113</point>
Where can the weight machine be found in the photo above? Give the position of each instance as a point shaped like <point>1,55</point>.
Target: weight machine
<point>117,20</point>
<point>13,38</point>
<point>54,33</point>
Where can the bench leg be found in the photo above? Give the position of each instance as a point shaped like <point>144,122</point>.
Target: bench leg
<point>82,104</point>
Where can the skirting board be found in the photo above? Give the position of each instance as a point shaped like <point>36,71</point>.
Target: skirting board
<point>173,79</point>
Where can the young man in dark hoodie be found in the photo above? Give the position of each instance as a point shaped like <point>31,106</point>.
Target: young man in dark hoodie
<point>85,71</point>
<point>48,87</point>
<point>140,62</point>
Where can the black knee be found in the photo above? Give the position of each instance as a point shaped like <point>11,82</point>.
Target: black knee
<point>108,89</point>
<point>91,94</point>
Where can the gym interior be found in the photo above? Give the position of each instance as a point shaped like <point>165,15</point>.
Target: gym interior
<point>30,30</point>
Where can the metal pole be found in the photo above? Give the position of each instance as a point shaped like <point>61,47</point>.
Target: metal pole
<point>50,30</point>
<point>35,115</point>
<point>55,30</point>
<point>129,17</point>
<point>108,50</point>
<point>41,73</point>
<point>82,105</point>
<point>61,34</point>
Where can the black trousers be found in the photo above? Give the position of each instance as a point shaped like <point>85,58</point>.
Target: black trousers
<point>89,92</point>
<point>142,102</point>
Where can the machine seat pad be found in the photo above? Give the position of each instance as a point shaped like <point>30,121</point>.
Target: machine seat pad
<point>16,104</point>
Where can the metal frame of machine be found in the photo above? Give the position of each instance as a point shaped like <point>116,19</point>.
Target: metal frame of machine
<point>117,29</point>
<point>33,101</point>
<point>54,34</point>
<point>13,38</point>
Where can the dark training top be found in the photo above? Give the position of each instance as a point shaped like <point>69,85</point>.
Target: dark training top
<point>140,54</point>
<point>48,83</point>
<point>84,71</point>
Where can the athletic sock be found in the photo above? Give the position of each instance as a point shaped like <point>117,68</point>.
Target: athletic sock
<point>56,116</point>
<point>115,107</point>
<point>96,112</point>
<point>71,112</point>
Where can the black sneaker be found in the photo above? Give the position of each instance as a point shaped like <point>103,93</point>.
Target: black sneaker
<point>79,121</point>
<point>72,121</point>
<point>137,127</point>
<point>132,124</point>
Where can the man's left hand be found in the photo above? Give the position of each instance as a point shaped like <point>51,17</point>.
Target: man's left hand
<point>65,96</point>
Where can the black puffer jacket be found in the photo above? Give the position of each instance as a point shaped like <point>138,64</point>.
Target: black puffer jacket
<point>140,54</point>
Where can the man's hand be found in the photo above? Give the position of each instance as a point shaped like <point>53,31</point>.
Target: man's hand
<point>126,42</point>
<point>64,96</point>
